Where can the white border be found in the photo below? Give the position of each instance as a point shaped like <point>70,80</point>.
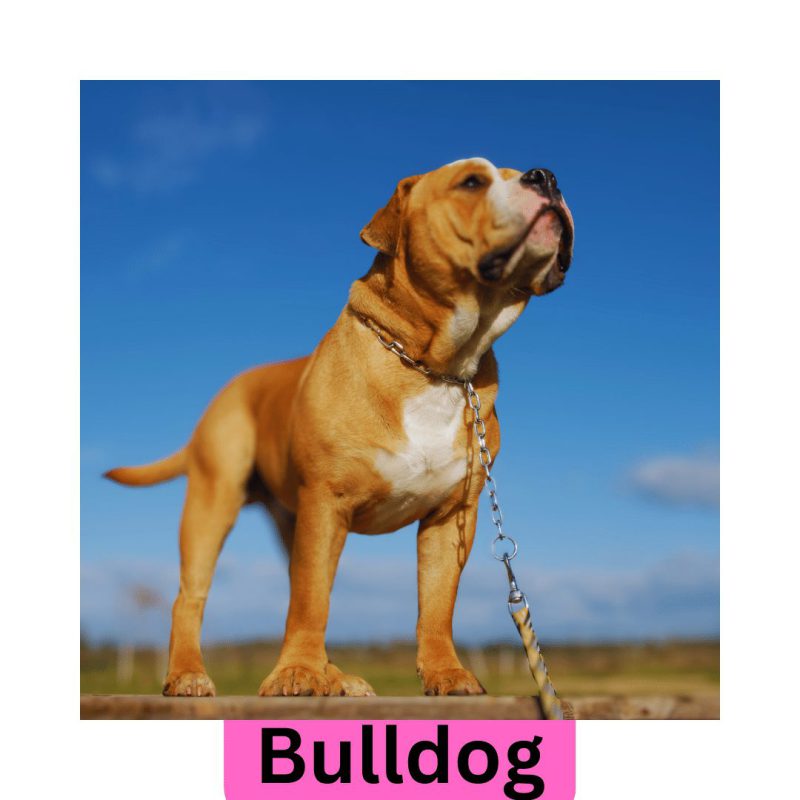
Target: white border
<point>48,47</point>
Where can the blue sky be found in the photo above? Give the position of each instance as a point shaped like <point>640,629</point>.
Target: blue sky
<point>219,229</point>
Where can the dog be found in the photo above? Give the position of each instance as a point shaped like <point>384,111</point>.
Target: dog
<point>351,439</point>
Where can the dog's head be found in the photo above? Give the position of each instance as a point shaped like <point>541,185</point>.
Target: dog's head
<point>472,222</point>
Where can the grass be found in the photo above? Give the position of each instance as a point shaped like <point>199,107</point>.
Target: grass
<point>680,668</point>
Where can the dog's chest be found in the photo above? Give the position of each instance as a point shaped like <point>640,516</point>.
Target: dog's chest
<point>430,459</point>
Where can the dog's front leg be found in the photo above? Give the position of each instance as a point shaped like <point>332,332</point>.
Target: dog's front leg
<point>442,551</point>
<point>319,536</point>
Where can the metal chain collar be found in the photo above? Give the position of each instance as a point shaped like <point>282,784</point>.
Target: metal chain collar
<point>393,346</point>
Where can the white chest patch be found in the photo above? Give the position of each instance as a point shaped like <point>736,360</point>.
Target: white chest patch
<point>426,468</point>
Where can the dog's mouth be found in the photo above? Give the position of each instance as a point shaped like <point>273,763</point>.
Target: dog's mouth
<point>495,264</point>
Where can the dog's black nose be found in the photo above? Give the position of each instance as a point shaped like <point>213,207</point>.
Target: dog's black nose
<point>541,180</point>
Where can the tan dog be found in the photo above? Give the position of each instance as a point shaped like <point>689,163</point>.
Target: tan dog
<point>352,439</point>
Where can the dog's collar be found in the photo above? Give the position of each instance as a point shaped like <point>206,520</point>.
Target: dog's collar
<point>393,346</point>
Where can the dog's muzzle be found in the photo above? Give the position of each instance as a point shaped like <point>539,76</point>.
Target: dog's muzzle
<point>544,183</point>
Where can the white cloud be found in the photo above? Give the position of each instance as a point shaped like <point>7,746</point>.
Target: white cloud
<point>169,150</point>
<point>691,480</point>
<point>163,254</point>
<point>376,600</point>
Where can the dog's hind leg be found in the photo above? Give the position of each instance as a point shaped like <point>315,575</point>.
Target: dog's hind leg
<point>212,505</point>
<point>219,461</point>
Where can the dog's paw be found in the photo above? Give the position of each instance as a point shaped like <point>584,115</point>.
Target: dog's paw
<point>456,681</point>
<point>295,681</point>
<point>188,684</point>
<point>343,685</point>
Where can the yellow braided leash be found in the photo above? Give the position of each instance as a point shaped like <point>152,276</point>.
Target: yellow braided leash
<point>548,699</point>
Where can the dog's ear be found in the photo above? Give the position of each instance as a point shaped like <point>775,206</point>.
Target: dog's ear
<point>383,231</point>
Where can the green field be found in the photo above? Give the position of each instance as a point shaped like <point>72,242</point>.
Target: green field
<point>678,669</point>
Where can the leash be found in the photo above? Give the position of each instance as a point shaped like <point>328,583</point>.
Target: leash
<point>504,547</point>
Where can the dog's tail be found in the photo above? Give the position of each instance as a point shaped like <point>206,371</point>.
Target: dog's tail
<point>146,475</point>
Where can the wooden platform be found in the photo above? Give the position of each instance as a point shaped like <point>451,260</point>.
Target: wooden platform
<point>244,707</point>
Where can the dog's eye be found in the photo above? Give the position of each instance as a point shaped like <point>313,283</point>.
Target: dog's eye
<point>472,182</point>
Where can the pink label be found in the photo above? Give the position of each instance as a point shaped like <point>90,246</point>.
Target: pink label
<point>517,759</point>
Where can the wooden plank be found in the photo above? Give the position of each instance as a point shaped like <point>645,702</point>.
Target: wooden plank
<point>648,707</point>
<point>243,707</point>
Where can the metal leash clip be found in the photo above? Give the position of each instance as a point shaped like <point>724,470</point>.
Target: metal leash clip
<point>515,594</point>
